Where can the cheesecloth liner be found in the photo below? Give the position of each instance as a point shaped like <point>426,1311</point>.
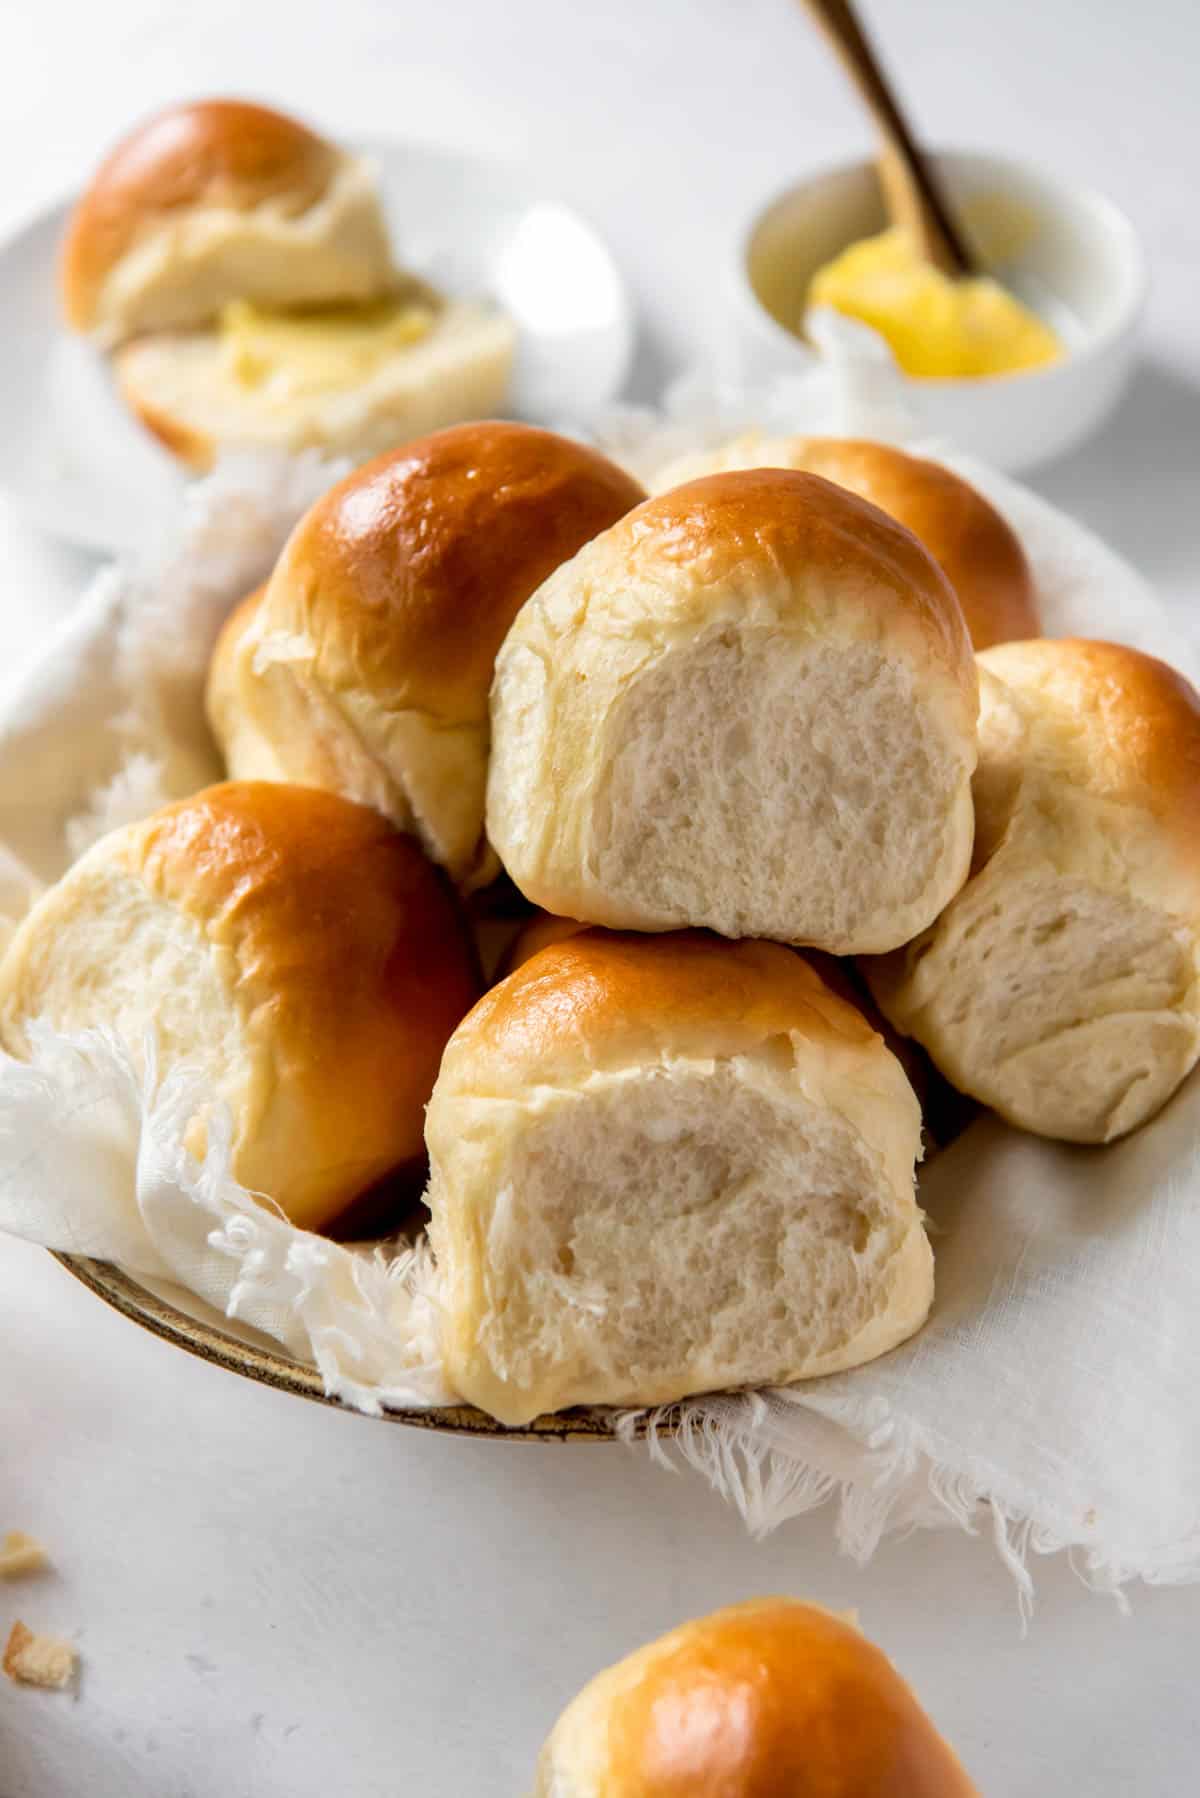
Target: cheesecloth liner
<point>1052,1394</point>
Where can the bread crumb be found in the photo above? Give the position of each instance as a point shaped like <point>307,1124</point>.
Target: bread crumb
<point>35,1660</point>
<point>20,1554</point>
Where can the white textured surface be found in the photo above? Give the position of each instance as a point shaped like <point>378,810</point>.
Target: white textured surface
<point>279,1601</point>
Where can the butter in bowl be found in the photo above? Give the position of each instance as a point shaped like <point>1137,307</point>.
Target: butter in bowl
<point>1016,370</point>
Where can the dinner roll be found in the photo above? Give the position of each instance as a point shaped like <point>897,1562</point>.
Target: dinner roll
<point>660,1166</point>
<point>749,705</point>
<point>1062,985</point>
<point>980,555</point>
<point>770,1699</point>
<point>299,954</point>
<point>188,389</point>
<point>366,667</point>
<point>214,201</point>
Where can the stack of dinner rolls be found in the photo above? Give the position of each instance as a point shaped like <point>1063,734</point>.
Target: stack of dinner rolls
<point>718,737</point>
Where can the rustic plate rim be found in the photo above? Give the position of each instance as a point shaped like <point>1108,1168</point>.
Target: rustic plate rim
<point>270,1367</point>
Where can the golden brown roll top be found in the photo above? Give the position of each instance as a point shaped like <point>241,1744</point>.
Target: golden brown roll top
<point>664,1165</point>
<point>1062,985</point>
<point>945,1113</point>
<point>595,998</point>
<point>749,705</point>
<point>212,201</point>
<point>1115,724</point>
<point>295,950</point>
<point>770,1699</point>
<point>978,551</point>
<point>423,559</point>
<point>845,564</point>
<point>366,667</point>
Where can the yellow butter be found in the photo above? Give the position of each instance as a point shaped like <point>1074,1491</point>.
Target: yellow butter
<point>936,326</point>
<point>320,348</point>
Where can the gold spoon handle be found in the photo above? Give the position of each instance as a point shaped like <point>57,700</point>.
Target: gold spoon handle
<point>911,191</point>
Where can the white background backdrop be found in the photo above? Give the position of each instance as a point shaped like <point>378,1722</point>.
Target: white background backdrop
<point>279,1601</point>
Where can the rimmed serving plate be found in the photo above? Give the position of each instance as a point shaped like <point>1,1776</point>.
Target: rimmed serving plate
<point>185,1321</point>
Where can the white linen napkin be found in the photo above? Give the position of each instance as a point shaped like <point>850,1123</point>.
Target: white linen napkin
<point>1053,1388</point>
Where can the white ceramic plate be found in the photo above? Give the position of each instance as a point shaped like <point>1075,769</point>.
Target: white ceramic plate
<point>84,470</point>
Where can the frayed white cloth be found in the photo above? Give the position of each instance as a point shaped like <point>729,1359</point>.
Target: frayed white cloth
<point>108,723</point>
<point>1052,1392</point>
<point>93,1162</point>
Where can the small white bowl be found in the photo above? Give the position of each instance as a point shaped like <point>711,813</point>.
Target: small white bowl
<point>1074,255</point>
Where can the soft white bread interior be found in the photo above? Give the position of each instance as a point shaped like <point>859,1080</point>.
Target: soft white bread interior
<point>366,666</point>
<point>976,549</point>
<point>1062,985</point>
<point>297,952</point>
<point>769,1699</point>
<point>749,705</point>
<point>185,387</point>
<point>661,1166</point>
<point>214,201</point>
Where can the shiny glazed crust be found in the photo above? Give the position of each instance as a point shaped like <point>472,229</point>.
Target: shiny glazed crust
<point>409,573</point>
<point>604,998</point>
<point>759,1700</point>
<point>977,550</point>
<point>711,528</point>
<point>367,665</point>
